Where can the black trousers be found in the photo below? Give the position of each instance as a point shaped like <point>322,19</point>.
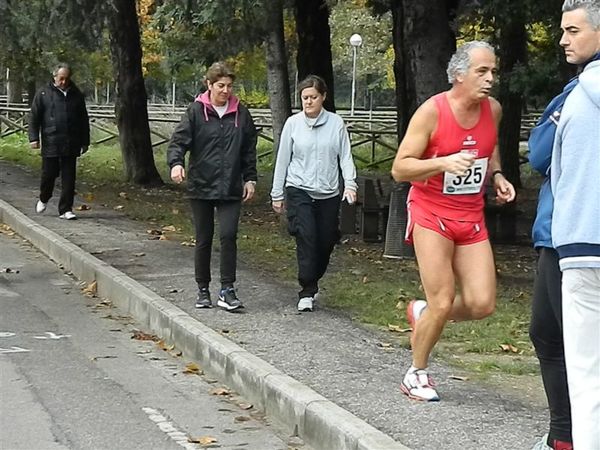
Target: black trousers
<point>546,334</point>
<point>53,166</point>
<point>204,223</point>
<point>315,225</point>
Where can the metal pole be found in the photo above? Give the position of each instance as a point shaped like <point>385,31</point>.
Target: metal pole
<point>173,94</point>
<point>353,80</point>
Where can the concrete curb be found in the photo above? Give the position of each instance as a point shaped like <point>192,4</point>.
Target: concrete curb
<point>318,421</point>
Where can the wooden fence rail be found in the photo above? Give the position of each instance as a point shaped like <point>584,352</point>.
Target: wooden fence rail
<point>376,129</point>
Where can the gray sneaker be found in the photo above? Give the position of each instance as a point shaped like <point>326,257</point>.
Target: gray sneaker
<point>228,300</point>
<point>305,304</point>
<point>203,299</point>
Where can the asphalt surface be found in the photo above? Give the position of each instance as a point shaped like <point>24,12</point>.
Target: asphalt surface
<point>72,377</point>
<point>324,350</point>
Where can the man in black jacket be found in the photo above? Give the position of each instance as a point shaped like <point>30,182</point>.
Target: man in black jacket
<point>59,114</point>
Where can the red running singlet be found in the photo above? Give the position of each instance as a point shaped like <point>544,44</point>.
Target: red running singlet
<point>446,195</point>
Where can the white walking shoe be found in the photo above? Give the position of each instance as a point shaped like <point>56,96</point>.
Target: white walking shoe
<point>40,207</point>
<point>305,304</point>
<point>68,216</point>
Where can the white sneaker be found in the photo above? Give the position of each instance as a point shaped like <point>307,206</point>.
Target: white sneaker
<point>305,304</point>
<point>68,216</point>
<point>40,207</point>
<point>418,385</point>
<point>542,444</point>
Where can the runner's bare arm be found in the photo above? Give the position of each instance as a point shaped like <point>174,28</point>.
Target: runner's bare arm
<point>505,191</point>
<point>408,165</point>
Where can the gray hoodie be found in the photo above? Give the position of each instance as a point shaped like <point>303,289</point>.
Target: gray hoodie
<point>311,156</point>
<point>575,175</point>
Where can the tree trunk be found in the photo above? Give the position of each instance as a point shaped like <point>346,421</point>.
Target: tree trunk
<point>14,87</point>
<point>423,43</point>
<point>512,55</point>
<point>277,71</point>
<point>314,44</point>
<point>131,100</point>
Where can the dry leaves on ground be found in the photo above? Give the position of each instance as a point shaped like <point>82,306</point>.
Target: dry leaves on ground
<point>141,336</point>
<point>91,289</point>
<point>203,440</point>
<point>192,369</point>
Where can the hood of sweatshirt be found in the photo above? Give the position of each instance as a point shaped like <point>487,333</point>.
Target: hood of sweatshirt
<point>233,105</point>
<point>589,80</point>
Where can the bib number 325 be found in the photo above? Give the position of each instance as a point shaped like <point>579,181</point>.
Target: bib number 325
<point>470,183</point>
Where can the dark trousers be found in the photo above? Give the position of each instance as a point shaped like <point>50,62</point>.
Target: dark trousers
<point>51,168</point>
<point>204,223</point>
<point>315,225</point>
<point>545,332</point>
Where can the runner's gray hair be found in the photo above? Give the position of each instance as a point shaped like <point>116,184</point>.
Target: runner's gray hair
<point>591,7</point>
<point>461,60</point>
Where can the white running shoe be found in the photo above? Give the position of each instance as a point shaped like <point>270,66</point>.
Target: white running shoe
<point>40,207</point>
<point>68,216</point>
<point>542,444</point>
<point>418,385</point>
<point>305,304</point>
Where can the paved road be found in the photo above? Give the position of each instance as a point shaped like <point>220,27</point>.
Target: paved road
<point>71,377</point>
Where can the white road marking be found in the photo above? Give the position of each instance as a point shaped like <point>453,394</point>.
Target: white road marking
<point>13,349</point>
<point>51,335</point>
<point>167,427</point>
<point>7,293</point>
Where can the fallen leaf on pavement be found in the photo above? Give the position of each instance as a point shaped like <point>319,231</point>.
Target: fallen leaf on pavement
<point>95,358</point>
<point>163,238</point>
<point>458,377</point>
<point>193,368</point>
<point>169,228</point>
<point>123,195</point>
<point>242,419</point>
<point>384,345</point>
<point>91,289</point>
<point>246,406</point>
<point>154,232</point>
<point>204,440</point>
<point>220,391</point>
<point>83,207</point>
<point>163,346</point>
<point>139,254</point>
<point>398,329</point>
<point>141,336</point>
<point>119,207</point>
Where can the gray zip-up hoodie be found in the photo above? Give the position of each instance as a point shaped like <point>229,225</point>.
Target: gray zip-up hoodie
<point>575,175</point>
<point>311,157</point>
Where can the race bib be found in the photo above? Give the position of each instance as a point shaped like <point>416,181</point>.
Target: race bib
<point>470,183</point>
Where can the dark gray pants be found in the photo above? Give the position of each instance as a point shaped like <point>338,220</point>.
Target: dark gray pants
<point>204,223</point>
<point>65,166</point>
<point>315,225</point>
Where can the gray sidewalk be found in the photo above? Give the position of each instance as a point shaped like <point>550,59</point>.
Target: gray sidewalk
<point>324,350</point>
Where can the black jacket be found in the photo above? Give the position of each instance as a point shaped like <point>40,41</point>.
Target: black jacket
<point>62,121</point>
<point>222,150</point>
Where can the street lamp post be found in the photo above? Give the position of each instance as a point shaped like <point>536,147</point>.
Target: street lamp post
<point>355,42</point>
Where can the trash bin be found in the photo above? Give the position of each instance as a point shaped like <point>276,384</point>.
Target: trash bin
<point>395,246</point>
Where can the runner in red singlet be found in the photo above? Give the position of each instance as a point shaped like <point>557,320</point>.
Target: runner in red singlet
<point>448,152</point>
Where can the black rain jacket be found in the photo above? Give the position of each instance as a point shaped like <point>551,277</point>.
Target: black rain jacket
<point>62,120</point>
<point>222,150</point>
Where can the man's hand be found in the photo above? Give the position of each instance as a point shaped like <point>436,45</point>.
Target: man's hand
<point>278,206</point>
<point>458,163</point>
<point>35,144</point>
<point>249,188</point>
<point>505,191</point>
<point>178,174</point>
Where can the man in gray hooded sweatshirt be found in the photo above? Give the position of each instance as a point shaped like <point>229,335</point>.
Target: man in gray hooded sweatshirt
<point>575,181</point>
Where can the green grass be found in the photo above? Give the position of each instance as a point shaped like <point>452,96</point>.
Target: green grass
<point>360,282</point>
